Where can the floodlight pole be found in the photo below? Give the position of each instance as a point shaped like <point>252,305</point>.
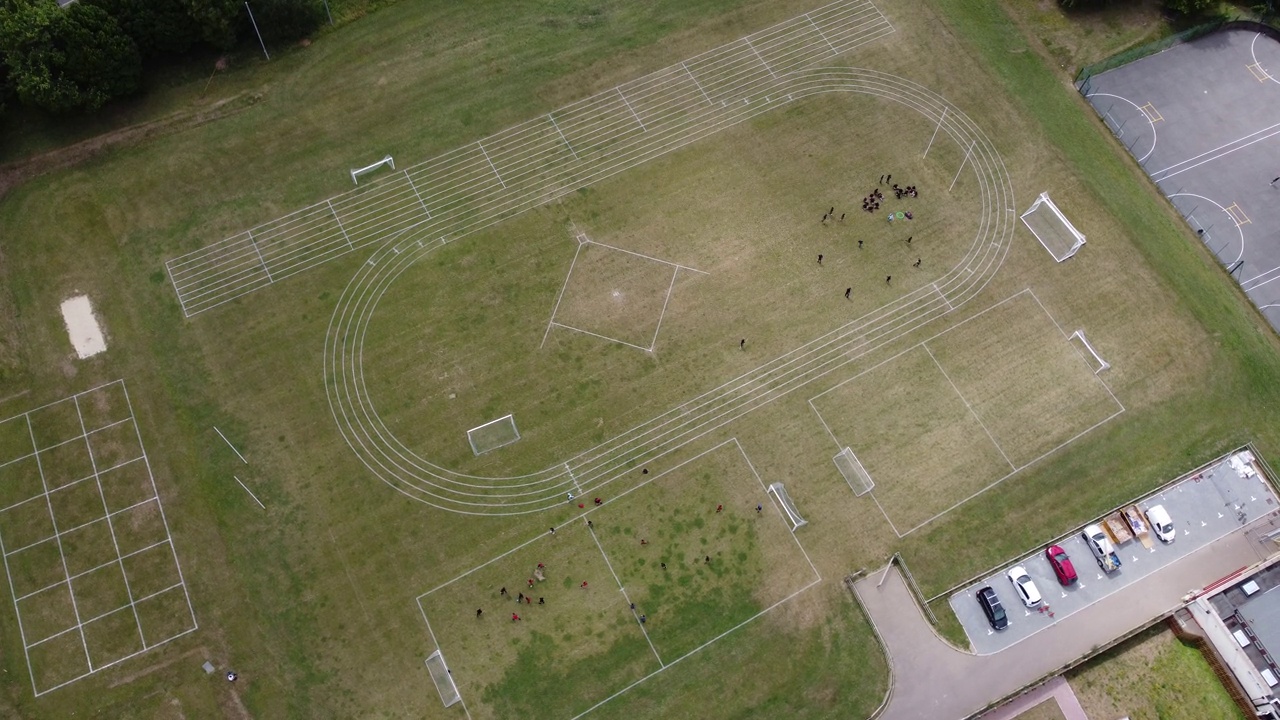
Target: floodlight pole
<point>256,31</point>
<point>326,11</point>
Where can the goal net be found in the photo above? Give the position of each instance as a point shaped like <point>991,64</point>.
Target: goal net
<point>788,507</point>
<point>443,680</point>
<point>857,476</point>
<point>1052,228</point>
<point>493,435</point>
<point>1078,337</point>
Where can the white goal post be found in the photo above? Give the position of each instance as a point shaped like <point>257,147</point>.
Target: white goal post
<point>788,507</point>
<point>1054,231</point>
<point>493,434</point>
<point>443,679</point>
<point>1102,364</point>
<point>857,476</point>
<point>356,173</point>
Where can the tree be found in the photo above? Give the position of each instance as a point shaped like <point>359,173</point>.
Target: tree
<point>1190,8</point>
<point>158,27</point>
<point>286,20</point>
<point>71,59</point>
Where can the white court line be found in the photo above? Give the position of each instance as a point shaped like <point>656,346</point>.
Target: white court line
<point>228,442</point>
<point>972,412</point>
<point>1238,226</point>
<point>1154,138</point>
<point>1253,282</point>
<point>591,531</point>
<point>1164,177</point>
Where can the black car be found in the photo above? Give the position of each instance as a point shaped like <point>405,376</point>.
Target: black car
<point>992,608</point>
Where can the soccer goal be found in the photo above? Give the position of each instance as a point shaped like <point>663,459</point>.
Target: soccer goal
<point>788,507</point>
<point>493,435</point>
<point>857,476</point>
<point>1052,228</point>
<point>443,679</point>
<point>1088,346</point>
<point>357,172</point>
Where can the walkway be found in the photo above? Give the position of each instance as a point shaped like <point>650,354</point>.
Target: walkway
<point>1058,689</point>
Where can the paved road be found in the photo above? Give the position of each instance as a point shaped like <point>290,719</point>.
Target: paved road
<point>931,679</point>
<point>1058,689</point>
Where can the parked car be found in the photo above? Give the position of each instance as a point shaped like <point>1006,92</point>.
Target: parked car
<point>992,608</point>
<point>1061,564</point>
<point>1024,586</point>
<point>1161,523</point>
<point>1100,545</point>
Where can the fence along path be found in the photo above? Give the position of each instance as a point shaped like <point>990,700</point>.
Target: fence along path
<point>480,184</point>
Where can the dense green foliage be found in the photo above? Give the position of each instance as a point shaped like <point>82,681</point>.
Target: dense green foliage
<point>77,58</point>
<point>67,60</point>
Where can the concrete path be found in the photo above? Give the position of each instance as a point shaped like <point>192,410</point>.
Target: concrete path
<point>1057,689</point>
<point>931,679</point>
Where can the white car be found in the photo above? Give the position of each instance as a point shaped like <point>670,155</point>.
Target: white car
<point>1161,523</point>
<point>1024,586</point>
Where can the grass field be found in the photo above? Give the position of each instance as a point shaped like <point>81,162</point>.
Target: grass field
<point>1152,675</point>
<point>586,318</point>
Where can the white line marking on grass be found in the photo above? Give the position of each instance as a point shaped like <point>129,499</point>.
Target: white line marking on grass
<point>13,594</point>
<point>887,519</point>
<point>963,162</point>
<point>820,34</point>
<point>825,426</point>
<point>602,337</point>
<point>415,194</point>
<point>228,442</point>
<point>265,269</point>
<point>646,257</point>
<point>563,287</point>
<point>106,512</point>
<point>747,40</point>
<point>246,489</point>
<point>592,532</point>
<point>695,650</point>
<point>633,110</point>
<point>437,644</point>
<point>816,575</point>
<point>562,137</point>
<point>653,343</point>
<point>941,117</point>
<point>966,404</point>
<point>696,83</point>
<point>1067,337</point>
<point>62,556</point>
<point>491,165</point>
<point>339,221</point>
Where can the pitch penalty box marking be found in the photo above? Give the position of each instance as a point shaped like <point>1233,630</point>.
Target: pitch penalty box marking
<point>817,577</point>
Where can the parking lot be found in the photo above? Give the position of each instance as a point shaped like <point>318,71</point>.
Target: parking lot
<point>1205,506</point>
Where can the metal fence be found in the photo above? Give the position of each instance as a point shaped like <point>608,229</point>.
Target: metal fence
<point>1136,53</point>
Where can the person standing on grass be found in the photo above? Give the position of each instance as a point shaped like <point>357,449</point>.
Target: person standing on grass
<point>847,292</point>
<point>479,612</point>
<point>742,344</point>
<point>888,279</point>
<point>819,258</point>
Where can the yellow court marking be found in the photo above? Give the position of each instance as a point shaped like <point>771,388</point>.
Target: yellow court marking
<point>1152,114</point>
<point>1258,72</point>
<point>1238,215</point>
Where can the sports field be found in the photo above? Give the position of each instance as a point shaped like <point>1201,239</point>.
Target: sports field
<point>619,284</point>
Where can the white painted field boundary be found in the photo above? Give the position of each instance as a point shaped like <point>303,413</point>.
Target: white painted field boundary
<point>134,602</point>
<point>403,469</point>
<point>1014,468</point>
<point>662,666</point>
<point>523,167</point>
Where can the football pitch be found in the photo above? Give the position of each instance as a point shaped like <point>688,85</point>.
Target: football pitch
<point>541,422</point>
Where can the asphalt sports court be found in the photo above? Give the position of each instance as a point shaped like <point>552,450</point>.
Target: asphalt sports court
<point>1200,119</point>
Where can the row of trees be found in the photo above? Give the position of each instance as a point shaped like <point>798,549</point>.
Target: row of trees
<point>76,58</point>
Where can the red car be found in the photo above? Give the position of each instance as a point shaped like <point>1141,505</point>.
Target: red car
<point>1061,565</point>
